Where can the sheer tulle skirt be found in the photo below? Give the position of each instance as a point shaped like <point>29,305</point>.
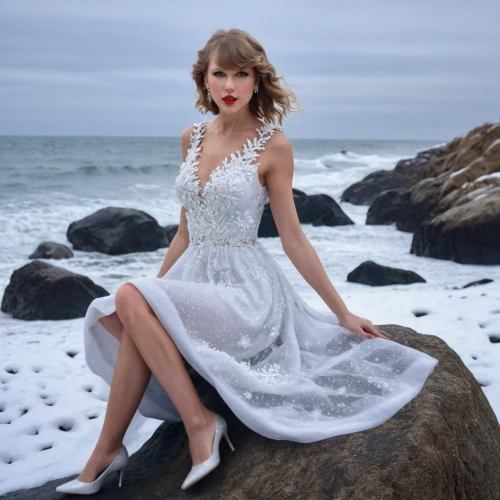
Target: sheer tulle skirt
<point>286,369</point>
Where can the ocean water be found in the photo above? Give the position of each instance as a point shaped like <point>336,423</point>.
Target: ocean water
<point>48,182</point>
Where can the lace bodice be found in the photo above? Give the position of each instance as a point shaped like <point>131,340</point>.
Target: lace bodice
<point>228,210</point>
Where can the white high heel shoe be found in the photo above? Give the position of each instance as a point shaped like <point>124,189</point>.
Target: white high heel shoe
<point>201,470</point>
<point>80,488</point>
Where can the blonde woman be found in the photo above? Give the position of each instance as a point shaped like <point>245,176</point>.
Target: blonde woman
<point>221,301</point>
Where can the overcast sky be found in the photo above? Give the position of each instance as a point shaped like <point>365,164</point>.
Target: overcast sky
<point>409,69</point>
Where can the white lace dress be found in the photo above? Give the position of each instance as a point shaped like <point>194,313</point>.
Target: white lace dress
<point>287,370</point>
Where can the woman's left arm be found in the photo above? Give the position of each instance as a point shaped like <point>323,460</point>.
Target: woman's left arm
<point>279,177</point>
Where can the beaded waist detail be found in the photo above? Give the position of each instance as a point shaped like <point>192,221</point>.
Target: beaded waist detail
<point>233,242</point>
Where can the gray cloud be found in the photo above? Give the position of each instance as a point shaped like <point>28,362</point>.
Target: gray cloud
<point>363,69</point>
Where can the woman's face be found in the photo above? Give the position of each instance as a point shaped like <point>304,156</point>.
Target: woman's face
<point>239,83</point>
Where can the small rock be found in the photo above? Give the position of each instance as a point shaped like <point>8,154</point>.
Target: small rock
<point>370,273</point>
<point>51,250</point>
<point>484,281</point>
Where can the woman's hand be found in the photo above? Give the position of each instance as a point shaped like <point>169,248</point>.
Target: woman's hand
<point>360,326</point>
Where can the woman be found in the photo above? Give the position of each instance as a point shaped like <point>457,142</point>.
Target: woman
<point>221,301</point>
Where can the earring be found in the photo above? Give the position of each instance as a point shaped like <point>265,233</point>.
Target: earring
<point>256,90</point>
<point>209,96</point>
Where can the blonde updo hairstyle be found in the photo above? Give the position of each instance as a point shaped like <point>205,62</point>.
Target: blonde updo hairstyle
<point>234,49</point>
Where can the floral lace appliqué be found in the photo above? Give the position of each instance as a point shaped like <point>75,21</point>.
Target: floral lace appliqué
<point>229,209</point>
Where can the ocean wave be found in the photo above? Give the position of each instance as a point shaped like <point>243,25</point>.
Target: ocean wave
<point>349,159</point>
<point>85,171</point>
<point>90,170</point>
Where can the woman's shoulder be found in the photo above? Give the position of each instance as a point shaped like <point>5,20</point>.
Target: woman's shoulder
<point>189,130</point>
<point>279,141</point>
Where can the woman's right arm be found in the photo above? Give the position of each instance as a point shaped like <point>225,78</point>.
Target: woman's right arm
<point>177,246</point>
<point>180,241</point>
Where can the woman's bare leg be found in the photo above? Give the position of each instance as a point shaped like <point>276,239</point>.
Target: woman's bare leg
<point>164,359</point>
<point>130,379</point>
<point>113,324</point>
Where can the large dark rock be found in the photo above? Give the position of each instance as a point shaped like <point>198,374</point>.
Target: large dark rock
<point>320,210</point>
<point>373,274</point>
<point>367,189</point>
<point>297,193</point>
<point>267,227</point>
<point>388,207</point>
<point>116,230</point>
<point>315,209</point>
<point>420,205</point>
<point>400,207</point>
<point>40,290</point>
<point>51,250</point>
<point>412,215</point>
<point>444,444</point>
<point>473,240</point>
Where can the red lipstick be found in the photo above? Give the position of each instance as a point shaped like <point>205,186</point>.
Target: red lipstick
<point>229,99</point>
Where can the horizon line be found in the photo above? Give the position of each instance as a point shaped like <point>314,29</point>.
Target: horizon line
<point>178,137</point>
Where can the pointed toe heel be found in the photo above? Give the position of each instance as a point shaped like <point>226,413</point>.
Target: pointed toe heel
<point>77,487</point>
<point>201,470</point>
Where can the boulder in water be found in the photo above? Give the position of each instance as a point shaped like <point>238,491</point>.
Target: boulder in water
<point>116,231</point>
<point>51,250</point>
<point>316,209</point>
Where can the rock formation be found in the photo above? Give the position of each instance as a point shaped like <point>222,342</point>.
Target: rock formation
<point>448,196</point>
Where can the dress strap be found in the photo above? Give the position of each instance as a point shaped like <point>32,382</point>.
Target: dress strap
<point>196,133</point>
<point>264,134</point>
<point>194,141</point>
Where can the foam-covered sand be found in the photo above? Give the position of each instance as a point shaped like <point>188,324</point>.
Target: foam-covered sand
<point>52,407</point>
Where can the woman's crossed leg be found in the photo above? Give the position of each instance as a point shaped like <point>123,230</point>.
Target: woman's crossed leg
<point>145,348</point>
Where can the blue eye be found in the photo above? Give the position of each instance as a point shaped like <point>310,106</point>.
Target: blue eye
<point>244,73</point>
